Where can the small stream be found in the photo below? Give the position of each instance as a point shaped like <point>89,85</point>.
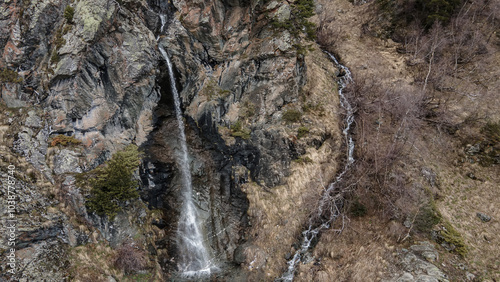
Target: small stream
<point>330,203</point>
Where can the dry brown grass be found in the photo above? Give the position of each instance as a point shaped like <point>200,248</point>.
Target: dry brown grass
<point>467,107</point>
<point>278,215</point>
<point>363,252</point>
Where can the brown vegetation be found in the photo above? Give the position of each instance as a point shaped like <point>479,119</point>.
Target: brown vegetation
<point>64,141</point>
<point>420,125</point>
<point>130,258</point>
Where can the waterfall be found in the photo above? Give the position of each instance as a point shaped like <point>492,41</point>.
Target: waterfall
<point>328,207</point>
<point>194,258</point>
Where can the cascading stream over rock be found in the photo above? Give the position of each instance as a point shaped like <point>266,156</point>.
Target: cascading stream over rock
<point>194,257</point>
<point>328,207</point>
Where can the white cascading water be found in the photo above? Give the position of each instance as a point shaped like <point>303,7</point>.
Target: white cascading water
<point>329,195</point>
<point>194,258</point>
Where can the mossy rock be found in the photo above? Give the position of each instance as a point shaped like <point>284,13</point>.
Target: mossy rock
<point>292,115</point>
<point>451,239</point>
<point>237,130</point>
<point>11,76</point>
<point>302,131</point>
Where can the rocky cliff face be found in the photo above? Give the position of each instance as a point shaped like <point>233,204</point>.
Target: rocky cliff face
<point>262,127</point>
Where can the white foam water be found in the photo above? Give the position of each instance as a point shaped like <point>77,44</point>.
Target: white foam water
<point>194,257</point>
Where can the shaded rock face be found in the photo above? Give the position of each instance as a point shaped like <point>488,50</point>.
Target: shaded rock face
<point>100,78</point>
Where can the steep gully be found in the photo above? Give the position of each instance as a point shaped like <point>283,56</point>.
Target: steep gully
<point>332,198</point>
<point>195,260</point>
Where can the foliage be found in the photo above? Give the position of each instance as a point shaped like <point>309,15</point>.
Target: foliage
<point>64,141</point>
<point>436,10</point>
<point>7,75</point>
<point>237,130</point>
<point>427,217</point>
<point>59,41</point>
<point>425,12</point>
<point>492,132</point>
<point>54,59</point>
<point>454,239</point>
<point>298,22</point>
<point>212,90</point>
<point>248,109</point>
<point>112,183</point>
<point>303,160</point>
<point>302,131</point>
<point>490,146</point>
<point>69,12</point>
<point>67,29</point>
<point>292,115</point>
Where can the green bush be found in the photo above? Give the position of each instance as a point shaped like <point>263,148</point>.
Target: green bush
<point>112,183</point>
<point>403,12</point>
<point>54,59</point>
<point>454,239</point>
<point>436,10</point>
<point>212,90</point>
<point>489,153</point>
<point>427,217</point>
<point>298,22</point>
<point>302,131</point>
<point>237,130</point>
<point>59,41</point>
<point>7,75</point>
<point>303,160</point>
<point>292,115</point>
<point>69,12</point>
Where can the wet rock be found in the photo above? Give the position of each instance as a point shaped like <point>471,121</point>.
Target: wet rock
<point>484,217</point>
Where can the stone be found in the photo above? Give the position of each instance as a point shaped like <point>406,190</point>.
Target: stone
<point>67,161</point>
<point>283,14</point>
<point>484,217</point>
<point>406,277</point>
<point>473,149</point>
<point>425,249</point>
<point>426,278</point>
<point>33,120</point>
<point>470,276</point>
<point>10,93</point>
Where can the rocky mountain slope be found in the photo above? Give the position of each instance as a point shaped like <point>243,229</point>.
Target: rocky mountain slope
<point>82,80</point>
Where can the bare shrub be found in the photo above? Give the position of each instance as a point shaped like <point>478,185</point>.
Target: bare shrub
<point>130,258</point>
<point>328,34</point>
<point>388,120</point>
